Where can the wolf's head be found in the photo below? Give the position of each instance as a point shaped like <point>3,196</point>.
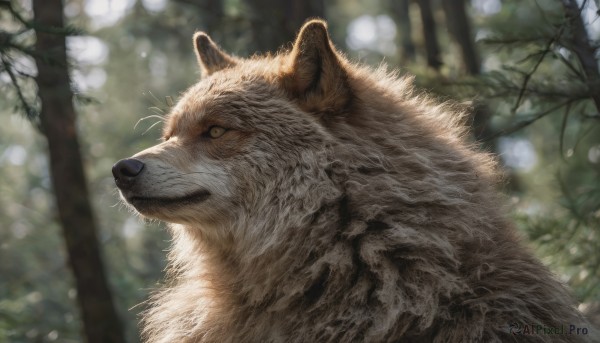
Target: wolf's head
<point>248,138</point>
<point>273,141</point>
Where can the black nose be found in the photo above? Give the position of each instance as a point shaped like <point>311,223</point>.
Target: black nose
<point>126,170</point>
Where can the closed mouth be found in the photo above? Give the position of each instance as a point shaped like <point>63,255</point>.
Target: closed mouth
<point>196,197</point>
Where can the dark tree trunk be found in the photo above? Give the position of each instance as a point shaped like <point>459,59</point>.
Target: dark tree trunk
<point>459,26</point>
<point>460,29</point>
<point>580,44</point>
<point>432,46</point>
<point>275,23</point>
<point>400,13</point>
<point>57,120</point>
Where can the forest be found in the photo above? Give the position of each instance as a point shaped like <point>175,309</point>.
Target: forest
<point>84,83</point>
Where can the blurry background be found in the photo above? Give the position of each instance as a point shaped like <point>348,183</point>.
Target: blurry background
<point>528,68</point>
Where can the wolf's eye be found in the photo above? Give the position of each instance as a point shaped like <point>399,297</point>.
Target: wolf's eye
<point>216,131</point>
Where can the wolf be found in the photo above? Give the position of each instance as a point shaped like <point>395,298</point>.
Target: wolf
<point>311,199</point>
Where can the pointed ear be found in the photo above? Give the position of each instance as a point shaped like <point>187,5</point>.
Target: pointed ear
<point>210,58</point>
<point>314,72</point>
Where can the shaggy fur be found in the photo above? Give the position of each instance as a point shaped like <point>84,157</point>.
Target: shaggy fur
<point>338,206</point>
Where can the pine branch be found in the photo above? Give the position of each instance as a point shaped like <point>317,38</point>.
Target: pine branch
<point>580,45</point>
<point>529,75</point>
<point>569,65</point>
<point>563,128</point>
<point>67,30</point>
<point>30,112</point>
<point>529,121</point>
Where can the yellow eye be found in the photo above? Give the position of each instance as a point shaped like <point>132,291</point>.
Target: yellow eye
<point>216,131</point>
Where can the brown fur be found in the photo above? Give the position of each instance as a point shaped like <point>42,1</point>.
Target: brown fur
<point>344,207</point>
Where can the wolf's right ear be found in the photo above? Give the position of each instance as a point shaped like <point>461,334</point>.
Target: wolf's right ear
<point>210,58</point>
<point>314,71</point>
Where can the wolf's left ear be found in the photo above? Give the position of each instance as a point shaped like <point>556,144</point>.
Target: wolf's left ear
<point>210,58</point>
<point>314,72</point>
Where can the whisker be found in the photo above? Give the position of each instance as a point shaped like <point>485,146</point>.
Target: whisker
<point>157,109</point>
<point>156,112</point>
<point>161,118</point>
<point>154,98</point>
<point>151,126</point>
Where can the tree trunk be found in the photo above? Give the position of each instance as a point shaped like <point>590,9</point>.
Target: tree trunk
<point>275,23</point>
<point>460,28</point>
<point>432,46</point>
<point>400,12</point>
<point>57,120</point>
<point>580,44</point>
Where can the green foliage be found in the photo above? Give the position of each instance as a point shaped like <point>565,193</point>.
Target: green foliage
<point>539,91</point>
<point>36,295</point>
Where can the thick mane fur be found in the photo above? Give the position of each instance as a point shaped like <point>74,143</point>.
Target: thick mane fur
<point>392,231</point>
